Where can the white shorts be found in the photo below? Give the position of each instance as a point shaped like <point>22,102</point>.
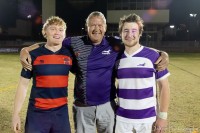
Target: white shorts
<point>123,127</point>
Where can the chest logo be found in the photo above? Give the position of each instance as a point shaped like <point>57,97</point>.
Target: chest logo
<point>141,64</point>
<point>106,52</point>
<point>41,61</point>
<point>67,61</point>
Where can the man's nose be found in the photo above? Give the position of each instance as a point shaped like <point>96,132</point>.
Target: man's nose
<point>96,27</point>
<point>57,31</point>
<point>129,33</point>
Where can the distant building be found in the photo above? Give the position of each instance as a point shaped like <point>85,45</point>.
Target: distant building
<point>155,14</point>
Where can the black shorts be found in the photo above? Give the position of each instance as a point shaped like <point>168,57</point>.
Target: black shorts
<point>56,121</point>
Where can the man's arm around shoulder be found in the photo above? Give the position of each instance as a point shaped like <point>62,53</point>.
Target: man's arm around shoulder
<point>25,57</point>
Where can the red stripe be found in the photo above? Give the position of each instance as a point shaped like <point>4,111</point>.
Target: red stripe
<point>53,59</point>
<point>50,103</point>
<point>51,81</point>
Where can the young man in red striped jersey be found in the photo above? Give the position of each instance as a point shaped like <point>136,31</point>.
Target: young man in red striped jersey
<point>47,110</point>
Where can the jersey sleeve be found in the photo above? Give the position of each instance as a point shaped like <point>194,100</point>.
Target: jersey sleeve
<point>159,75</point>
<point>26,74</point>
<point>162,74</point>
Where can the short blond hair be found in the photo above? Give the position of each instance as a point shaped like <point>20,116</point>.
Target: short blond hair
<point>53,20</point>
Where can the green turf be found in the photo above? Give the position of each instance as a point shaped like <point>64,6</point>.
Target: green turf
<point>184,109</point>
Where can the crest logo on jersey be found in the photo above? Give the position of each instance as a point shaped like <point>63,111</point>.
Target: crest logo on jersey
<point>67,61</point>
<point>141,64</point>
<point>41,61</point>
<point>106,52</point>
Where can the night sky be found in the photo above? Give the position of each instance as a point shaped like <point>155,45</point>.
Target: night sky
<point>8,12</point>
<point>180,10</point>
<point>75,15</point>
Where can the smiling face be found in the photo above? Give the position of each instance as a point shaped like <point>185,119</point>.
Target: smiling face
<point>96,27</point>
<point>130,30</point>
<point>55,34</point>
<point>130,34</point>
<point>54,30</point>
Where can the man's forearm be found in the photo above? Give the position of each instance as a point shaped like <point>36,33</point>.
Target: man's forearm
<point>159,51</point>
<point>164,100</point>
<point>20,95</point>
<point>164,97</point>
<point>34,46</point>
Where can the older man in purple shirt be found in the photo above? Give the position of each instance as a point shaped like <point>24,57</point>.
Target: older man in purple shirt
<point>93,66</point>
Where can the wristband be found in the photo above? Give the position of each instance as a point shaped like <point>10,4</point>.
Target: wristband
<point>162,115</point>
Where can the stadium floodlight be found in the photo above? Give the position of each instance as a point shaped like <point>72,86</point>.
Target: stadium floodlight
<point>193,15</point>
<point>171,26</point>
<point>29,16</point>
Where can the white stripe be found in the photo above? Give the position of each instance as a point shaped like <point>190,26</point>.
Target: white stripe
<point>137,51</point>
<point>146,120</point>
<point>136,83</point>
<point>132,62</point>
<point>137,104</point>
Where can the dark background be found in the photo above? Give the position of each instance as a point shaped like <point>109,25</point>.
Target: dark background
<point>75,14</point>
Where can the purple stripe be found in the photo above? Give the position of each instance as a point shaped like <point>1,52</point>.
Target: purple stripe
<point>136,114</point>
<point>161,73</point>
<point>135,93</point>
<point>135,73</point>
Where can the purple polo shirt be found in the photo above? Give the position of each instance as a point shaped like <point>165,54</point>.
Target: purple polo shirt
<point>94,80</point>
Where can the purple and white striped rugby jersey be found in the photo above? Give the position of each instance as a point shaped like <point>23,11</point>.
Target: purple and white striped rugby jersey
<point>137,86</point>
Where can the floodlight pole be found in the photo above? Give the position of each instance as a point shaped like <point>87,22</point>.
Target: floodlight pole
<point>191,16</point>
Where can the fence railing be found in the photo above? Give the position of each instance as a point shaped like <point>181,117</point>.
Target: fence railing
<point>13,46</point>
<point>168,46</point>
<point>175,46</point>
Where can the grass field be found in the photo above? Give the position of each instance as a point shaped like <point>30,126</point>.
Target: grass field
<point>184,111</point>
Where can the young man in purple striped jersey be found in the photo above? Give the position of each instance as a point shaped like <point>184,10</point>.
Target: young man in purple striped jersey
<point>137,79</point>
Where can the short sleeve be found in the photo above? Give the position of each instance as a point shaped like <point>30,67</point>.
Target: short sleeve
<point>26,74</point>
